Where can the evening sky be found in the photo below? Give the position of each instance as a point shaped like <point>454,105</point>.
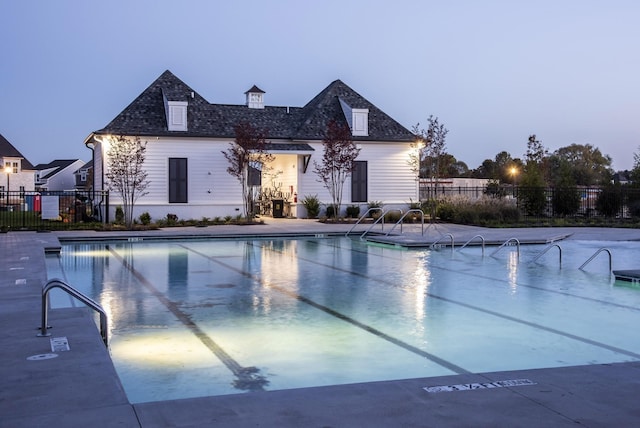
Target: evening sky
<point>493,71</point>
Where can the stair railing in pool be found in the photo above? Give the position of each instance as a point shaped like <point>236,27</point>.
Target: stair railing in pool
<point>57,283</point>
<point>399,222</point>
<point>550,246</point>
<point>594,256</point>
<point>381,218</point>
<point>435,244</point>
<point>469,241</point>
<point>363,216</point>
<point>509,241</point>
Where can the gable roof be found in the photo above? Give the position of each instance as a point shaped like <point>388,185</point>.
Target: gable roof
<point>8,150</point>
<point>145,116</point>
<point>55,166</point>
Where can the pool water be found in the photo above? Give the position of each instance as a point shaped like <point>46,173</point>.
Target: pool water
<point>213,317</point>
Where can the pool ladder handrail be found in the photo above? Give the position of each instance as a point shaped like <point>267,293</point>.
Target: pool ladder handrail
<point>363,216</point>
<point>58,283</point>
<point>413,210</point>
<point>433,244</point>
<point>594,256</point>
<point>505,243</point>
<point>381,218</point>
<point>469,241</point>
<point>547,248</point>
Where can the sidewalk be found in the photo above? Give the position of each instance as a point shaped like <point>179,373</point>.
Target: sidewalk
<point>80,388</point>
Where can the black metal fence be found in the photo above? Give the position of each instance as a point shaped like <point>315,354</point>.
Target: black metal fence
<point>607,202</point>
<point>50,210</point>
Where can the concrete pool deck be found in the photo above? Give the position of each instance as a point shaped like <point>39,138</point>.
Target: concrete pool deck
<point>80,388</point>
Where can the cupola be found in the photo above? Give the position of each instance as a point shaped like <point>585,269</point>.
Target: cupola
<point>255,97</point>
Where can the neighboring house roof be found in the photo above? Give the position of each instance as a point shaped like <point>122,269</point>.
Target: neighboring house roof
<point>8,150</point>
<point>55,166</point>
<point>145,116</point>
<point>84,167</point>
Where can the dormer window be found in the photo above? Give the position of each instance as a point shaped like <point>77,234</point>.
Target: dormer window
<point>360,122</point>
<point>177,115</point>
<point>357,118</point>
<point>175,111</point>
<point>255,97</point>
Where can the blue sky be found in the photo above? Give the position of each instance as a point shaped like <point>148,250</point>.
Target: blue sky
<point>493,71</point>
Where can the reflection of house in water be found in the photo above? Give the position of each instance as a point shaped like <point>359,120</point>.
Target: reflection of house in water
<point>178,273</point>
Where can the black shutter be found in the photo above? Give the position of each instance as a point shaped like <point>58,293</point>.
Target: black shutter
<point>178,180</point>
<point>359,182</point>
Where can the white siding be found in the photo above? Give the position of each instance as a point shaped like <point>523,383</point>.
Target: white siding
<point>212,192</point>
<point>390,179</point>
<point>64,179</point>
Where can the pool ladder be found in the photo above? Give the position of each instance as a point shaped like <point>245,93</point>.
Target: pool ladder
<point>606,250</point>
<point>58,283</point>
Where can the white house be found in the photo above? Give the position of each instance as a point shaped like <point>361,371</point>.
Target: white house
<point>57,175</point>
<point>185,136</point>
<point>17,172</point>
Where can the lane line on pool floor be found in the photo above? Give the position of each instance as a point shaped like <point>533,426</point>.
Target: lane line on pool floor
<point>479,309</point>
<point>248,378</point>
<point>493,279</point>
<point>369,329</point>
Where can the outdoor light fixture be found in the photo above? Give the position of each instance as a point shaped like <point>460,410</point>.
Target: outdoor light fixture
<point>8,170</point>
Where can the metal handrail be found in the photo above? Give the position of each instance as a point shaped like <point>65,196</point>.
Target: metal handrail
<point>381,218</point>
<point>594,256</point>
<point>433,244</point>
<point>547,249</point>
<point>414,210</point>
<point>363,216</point>
<point>469,241</point>
<point>58,283</point>
<point>507,243</point>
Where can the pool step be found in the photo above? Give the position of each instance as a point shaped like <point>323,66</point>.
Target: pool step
<point>627,275</point>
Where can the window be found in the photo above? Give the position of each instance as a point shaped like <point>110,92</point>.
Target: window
<point>178,182</point>
<point>359,182</point>
<point>12,165</point>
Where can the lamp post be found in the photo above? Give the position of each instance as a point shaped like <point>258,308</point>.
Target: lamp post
<point>514,172</point>
<point>8,171</point>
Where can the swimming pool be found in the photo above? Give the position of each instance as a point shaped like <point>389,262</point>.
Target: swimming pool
<point>213,317</point>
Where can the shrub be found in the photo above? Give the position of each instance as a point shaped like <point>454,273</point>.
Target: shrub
<point>119,215</point>
<point>495,189</point>
<point>566,200</point>
<point>609,201</point>
<point>145,218</point>
<point>533,199</point>
<point>446,211</point>
<point>392,216</point>
<point>330,211</point>
<point>312,204</point>
<point>353,211</point>
<point>172,219</point>
<point>374,204</point>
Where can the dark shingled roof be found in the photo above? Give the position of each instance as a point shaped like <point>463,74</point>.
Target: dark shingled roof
<point>145,116</point>
<point>7,150</point>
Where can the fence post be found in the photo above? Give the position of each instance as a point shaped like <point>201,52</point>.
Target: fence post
<point>106,211</point>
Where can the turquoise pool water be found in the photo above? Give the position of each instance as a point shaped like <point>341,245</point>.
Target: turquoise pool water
<point>213,317</point>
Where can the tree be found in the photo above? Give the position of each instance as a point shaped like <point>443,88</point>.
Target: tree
<point>634,174</point>
<point>248,150</point>
<point>431,144</point>
<point>337,164</point>
<point>531,194</point>
<point>588,165</point>
<point>566,198</point>
<point>125,159</point>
